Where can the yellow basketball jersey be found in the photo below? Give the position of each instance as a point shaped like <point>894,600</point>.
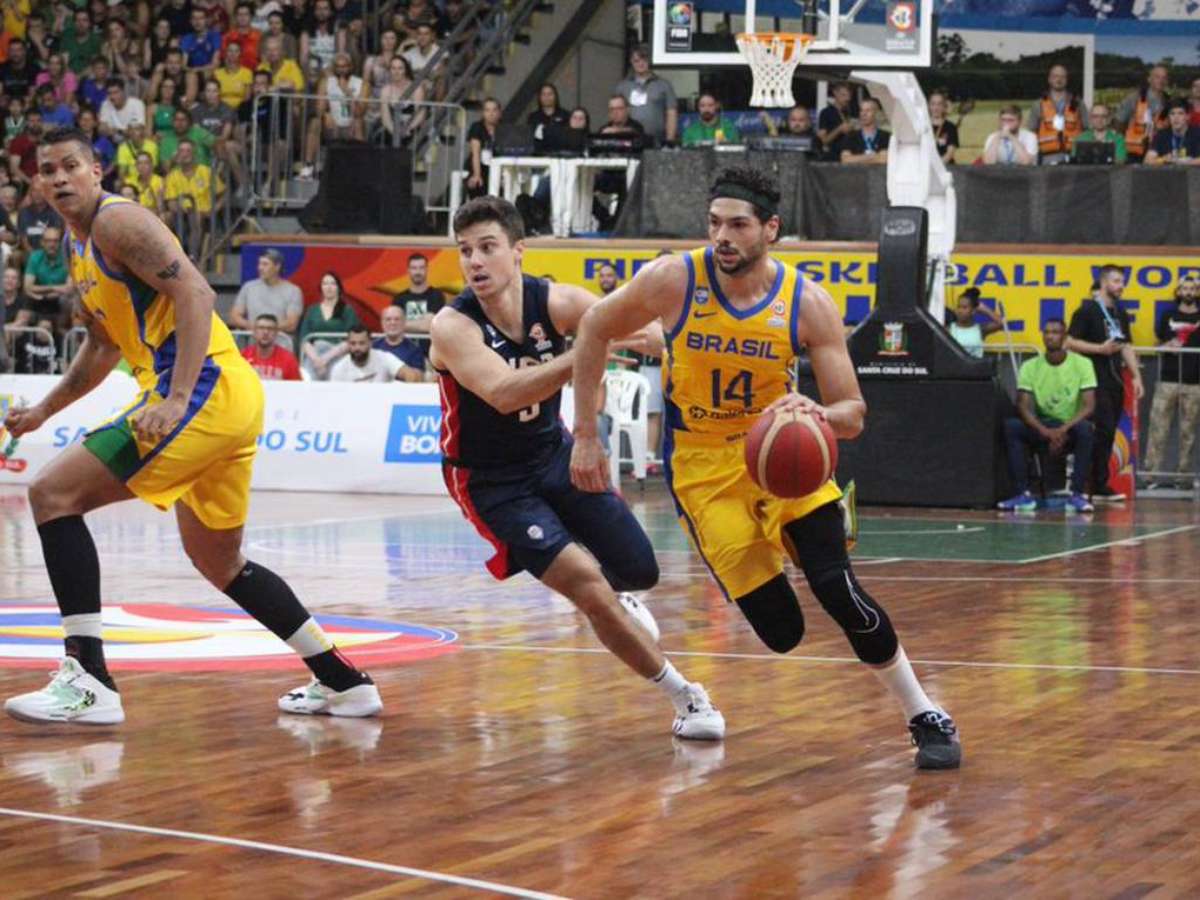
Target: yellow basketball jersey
<point>725,365</point>
<point>138,319</point>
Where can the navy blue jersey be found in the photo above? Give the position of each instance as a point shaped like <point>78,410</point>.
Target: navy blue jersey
<point>474,434</point>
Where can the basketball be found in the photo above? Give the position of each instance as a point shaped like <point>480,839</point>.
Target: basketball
<point>791,453</point>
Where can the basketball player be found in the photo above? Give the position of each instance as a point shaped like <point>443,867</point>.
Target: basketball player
<point>187,440</point>
<point>500,354</point>
<point>735,320</point>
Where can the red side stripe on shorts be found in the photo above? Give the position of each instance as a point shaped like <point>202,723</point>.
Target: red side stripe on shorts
<point>448,389</point>
<point>456,482</point>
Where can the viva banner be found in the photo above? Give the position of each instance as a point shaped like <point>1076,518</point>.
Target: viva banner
<point>1030,288</point>
<point>317,436</point>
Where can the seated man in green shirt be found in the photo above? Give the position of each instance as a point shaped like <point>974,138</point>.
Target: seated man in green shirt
<point>1055,395</point>
<point>182,129</point>
<point>711,127</point>
<point>1099,119</point>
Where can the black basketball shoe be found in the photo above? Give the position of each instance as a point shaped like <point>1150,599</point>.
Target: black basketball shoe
<point>936,740</point>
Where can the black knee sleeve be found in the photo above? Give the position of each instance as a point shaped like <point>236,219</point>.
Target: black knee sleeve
<point>774,613</point>
<point>638,571</point>
<point>819,542</point>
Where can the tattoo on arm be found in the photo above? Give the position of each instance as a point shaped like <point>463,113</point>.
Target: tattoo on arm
<point>171,271</point>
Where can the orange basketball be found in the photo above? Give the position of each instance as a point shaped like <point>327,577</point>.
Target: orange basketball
<point>791,453</point>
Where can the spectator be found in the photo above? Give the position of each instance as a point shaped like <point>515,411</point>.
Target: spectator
<point>9,236</point>
<point>179,14</point>
<point>966,330</point>
<point>421,301</point>
<point>124,55</point>
<point>580,120</point>
<point>14,122</point>
<point>47,282</point>
<point>191,191</point>
<point>244,36</point>
<point>157,46</point>
<point>54,114</point>
<point>120,111</point>
<point>364,364</point>
<point>39,43</point>
<point>186,83</point>
<point>93,90</point>
<point>148,186</point>
<point>35,217</point>
<point>609,181</point>
<point>201,45</point>
<point>135,143</point>
<point>797,124</point>
<point>22,150</point>
<point>332,318</point>
<point>288,42</point>
<point>1194,103</point>
<point>481,138</point>
<point>233,78</point>
<point>80,41</point>
<point>396,102</point>
<point>945,132</point>
<point>606,278</point>
<point>162,108</point>
<point>619,120</point>
<point>268,294</point>
<point>218,120</point>
<point>651,99</point>
<point>1179,143</point>
<point>711,127</point>
<point>1178,385</point>
<point>35,353</point>
<point>426,11</point>
<point>19,72</point>
<point>868,144</point>
<point>346,13</point>
<point>397,343</point>
<point>17,311</point>
<point>272,149</point>
<point>1099,131</point>
<point>183,129</point>
<point>271,361</point>
<point>376,71</point>
<point>1010,145</point>
<point>16,17</point>
<point>1100,330</point>
<point>102,147</point>
<point>1055,119</point>
<point>321,41</point>
<point>62,82</point>
<point>549,112</point>
<point>1144,111</point>
<point>339,114</point>
<point>1055,395</point>
<point>285,73</point>
<point>421,54</point>
<point>835,122</point>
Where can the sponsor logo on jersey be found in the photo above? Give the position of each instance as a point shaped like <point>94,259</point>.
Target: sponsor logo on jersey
<point>700,296</point>
<point>538,334</point>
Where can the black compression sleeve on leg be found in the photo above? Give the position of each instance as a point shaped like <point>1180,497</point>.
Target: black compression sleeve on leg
<point>774,613</point>
<point>72,564</point>
<point>267,597</point>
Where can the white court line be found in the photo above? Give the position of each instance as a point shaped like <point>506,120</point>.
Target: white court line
<point>336,858</point>
<point>1126,540</point>
<point>1034,579</point>
<point>844,659</point>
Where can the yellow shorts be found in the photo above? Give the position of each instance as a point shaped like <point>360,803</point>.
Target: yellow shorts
<point>734,524</point>
<point>206,461</point>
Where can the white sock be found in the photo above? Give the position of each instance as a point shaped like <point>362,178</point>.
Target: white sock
<point>670,680</point>
<point>309,639</point>
<point>82,625</point>
<point>899,678</point>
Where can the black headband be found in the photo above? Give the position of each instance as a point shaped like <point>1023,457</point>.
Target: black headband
<point>741,192</point>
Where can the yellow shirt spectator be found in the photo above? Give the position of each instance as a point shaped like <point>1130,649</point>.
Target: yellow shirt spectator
<point>127,157</point>
<point>16,16</point>
<point>235,86</point>
<point>147,194</point>
<point>289,71</point>
<point>196,188</point>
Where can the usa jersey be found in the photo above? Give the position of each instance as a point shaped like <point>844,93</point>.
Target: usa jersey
<point>475,435</point>
<point>725,365</point>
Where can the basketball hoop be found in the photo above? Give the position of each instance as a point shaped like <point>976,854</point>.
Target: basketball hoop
<point>773,57</point>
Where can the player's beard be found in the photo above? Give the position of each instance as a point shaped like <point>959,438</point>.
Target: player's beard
<point>745,261</point>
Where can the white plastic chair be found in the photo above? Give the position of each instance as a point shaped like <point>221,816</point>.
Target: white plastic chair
<point>625,399</point>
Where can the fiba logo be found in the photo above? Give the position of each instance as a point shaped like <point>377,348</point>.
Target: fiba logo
<point>679,14</point>
<point>903,17</point>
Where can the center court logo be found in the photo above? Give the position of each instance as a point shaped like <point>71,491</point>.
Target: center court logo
<point>413,434</point>
<point>159,637</point>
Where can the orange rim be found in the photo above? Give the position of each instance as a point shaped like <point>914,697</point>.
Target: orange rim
<point>786,37</point>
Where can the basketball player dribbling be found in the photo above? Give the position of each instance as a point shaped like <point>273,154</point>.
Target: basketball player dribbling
<point>735,320</point>
<point>500,353</point>
<point>188,440</point>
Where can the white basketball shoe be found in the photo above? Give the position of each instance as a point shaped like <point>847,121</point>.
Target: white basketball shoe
<point>637,609</point>
<point>71,696</point>
<point>696,719</point>
<point>315,699</point>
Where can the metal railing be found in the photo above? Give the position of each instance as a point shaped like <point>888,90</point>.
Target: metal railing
<point>45,339</point>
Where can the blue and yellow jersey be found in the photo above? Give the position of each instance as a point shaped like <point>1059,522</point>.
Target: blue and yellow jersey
<point>138,319</point>
<point>725,365</point>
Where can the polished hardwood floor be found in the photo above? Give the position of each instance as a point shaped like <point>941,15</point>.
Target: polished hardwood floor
<point>520,757</point>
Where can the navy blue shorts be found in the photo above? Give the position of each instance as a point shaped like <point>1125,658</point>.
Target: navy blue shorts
<point>530,514</point>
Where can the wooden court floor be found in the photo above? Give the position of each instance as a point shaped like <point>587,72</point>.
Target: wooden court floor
<point>515,756</point>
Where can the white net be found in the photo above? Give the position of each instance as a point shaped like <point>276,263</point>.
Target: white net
<point>773,58</point>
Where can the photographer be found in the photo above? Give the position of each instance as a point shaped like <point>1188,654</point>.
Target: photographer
<point>1100,331</point>
<point>1010,144</point>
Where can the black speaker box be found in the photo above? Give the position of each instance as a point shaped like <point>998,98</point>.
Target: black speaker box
<point>365,189</point>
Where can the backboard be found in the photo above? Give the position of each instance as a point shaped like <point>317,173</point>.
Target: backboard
<point>864,34</point>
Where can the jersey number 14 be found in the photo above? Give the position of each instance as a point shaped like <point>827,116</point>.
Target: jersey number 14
<point>736,390</point>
